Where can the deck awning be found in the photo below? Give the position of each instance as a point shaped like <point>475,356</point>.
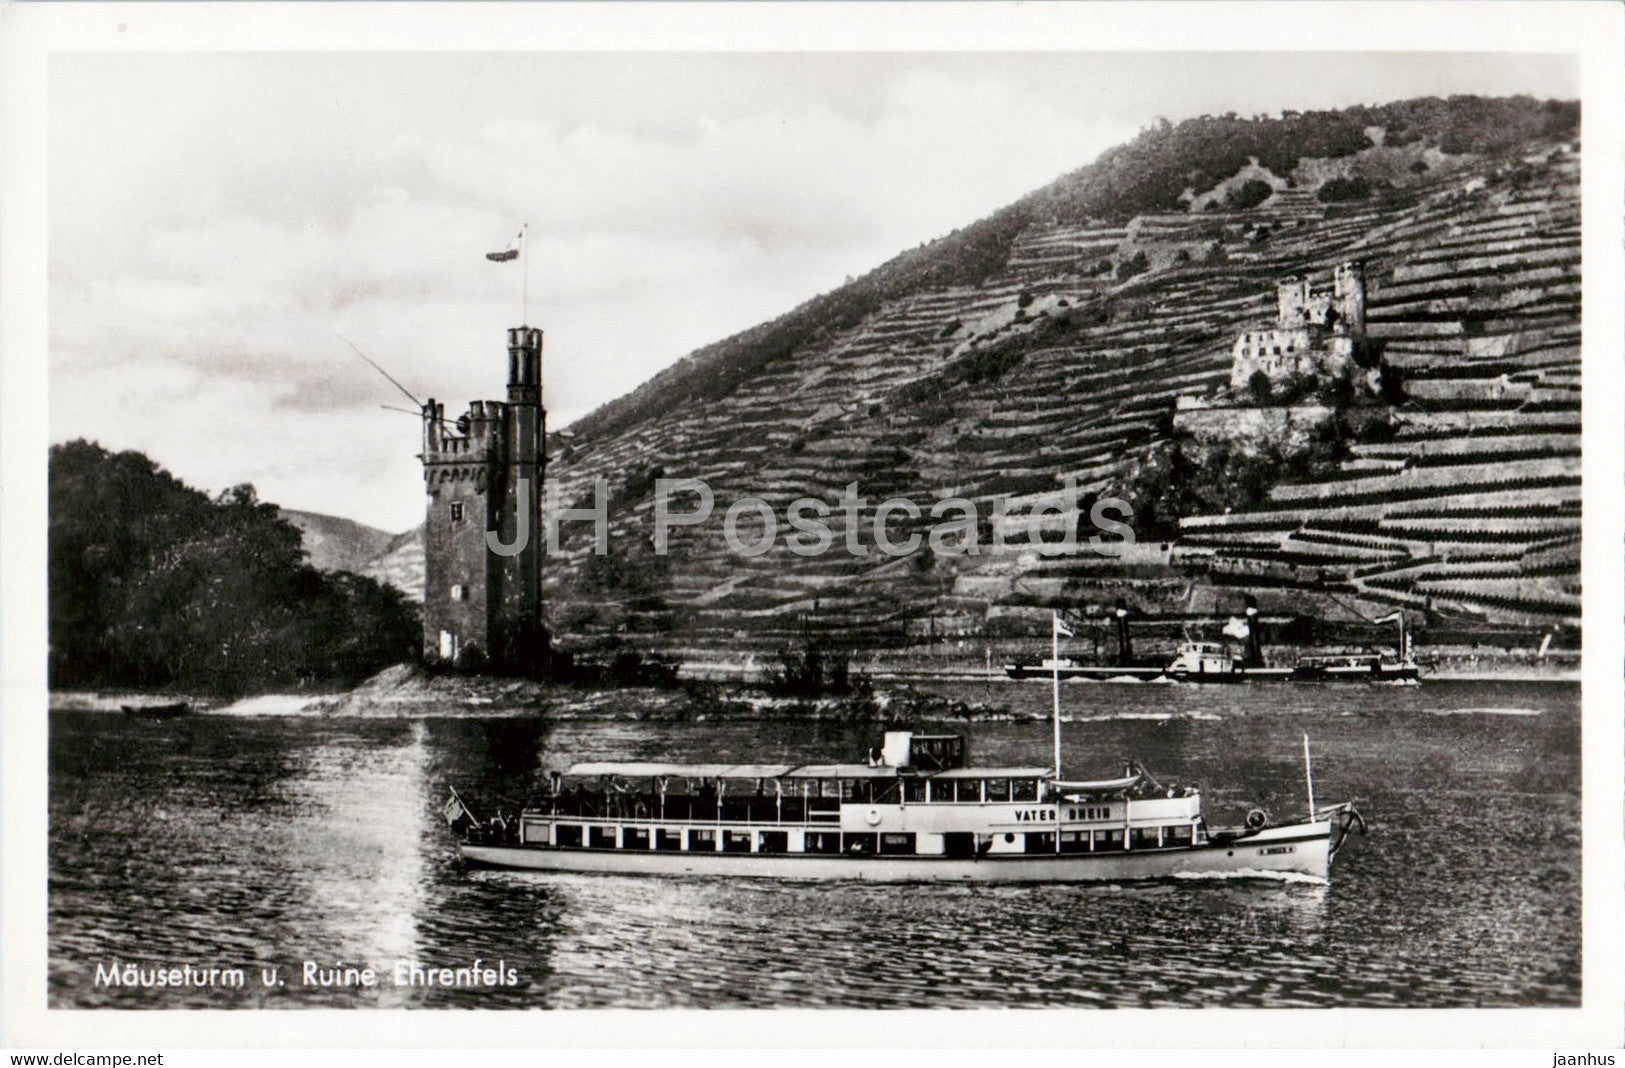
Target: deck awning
<point>653,770</point>
<point>842,771</point>
<point>994,773</point>
<point>647,770</point>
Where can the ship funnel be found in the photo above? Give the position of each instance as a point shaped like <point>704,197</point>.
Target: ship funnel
<point>895,749</point>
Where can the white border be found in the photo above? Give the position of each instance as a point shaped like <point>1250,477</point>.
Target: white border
<point>30,33</point>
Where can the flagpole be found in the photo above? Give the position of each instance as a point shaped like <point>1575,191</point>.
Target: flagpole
<point>524,265</point>
<point>1309,777</point>
<point>1055,683</point>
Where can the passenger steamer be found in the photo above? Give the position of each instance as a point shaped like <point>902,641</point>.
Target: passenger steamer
<point>913,811</point>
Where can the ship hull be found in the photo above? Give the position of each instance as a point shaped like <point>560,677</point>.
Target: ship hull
<point>1298,849</point>
<point>1238,675</point>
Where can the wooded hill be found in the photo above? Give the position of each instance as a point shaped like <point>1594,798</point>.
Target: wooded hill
<point>1052,340</point>
<point>155,584</point>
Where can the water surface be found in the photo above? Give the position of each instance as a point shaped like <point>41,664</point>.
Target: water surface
<point>264,841</point>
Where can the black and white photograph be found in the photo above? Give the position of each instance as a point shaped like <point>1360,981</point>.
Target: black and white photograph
<point>777,522</point>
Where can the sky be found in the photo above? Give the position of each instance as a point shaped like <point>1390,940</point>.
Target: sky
<point>220,223</point>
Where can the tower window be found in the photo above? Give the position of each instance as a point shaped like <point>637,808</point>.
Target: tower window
<point>458,592</point>
<point>456,511</point>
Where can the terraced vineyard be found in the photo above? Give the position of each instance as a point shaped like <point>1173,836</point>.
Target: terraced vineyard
<point>1064,362</point>
<point>1474,506</point>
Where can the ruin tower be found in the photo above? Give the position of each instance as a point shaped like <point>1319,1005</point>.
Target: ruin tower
<point>1348,290</point>
<point>482,536</point>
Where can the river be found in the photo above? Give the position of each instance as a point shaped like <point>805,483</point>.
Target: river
<point>265,841</point>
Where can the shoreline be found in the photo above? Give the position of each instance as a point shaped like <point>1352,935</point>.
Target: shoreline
<point>402,693</point>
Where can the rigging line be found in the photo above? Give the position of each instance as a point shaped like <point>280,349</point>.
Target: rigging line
<point>1356,613</point>
<point>379,369</point>
<point>441,421</point>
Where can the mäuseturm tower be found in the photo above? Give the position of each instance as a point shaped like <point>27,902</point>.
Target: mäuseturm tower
<point>483,537</point>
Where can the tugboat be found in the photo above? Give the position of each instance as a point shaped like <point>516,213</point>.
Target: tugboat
<point>913,811</point>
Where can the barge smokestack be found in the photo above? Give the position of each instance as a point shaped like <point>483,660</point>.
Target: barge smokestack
<point>1125,649</point>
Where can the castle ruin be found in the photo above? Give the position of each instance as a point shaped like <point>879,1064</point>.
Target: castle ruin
<point>1313,333</point>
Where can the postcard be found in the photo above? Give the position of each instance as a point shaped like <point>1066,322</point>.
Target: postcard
<point>635,510</point>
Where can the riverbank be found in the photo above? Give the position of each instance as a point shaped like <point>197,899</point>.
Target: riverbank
<point>408,692</point>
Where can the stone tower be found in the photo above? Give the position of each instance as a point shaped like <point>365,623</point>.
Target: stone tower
<point>1348,289</point>
<point>482,534</point>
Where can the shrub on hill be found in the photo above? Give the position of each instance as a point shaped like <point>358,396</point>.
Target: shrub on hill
<point>153,583</point>
<point>1252,193</point>
<point>1340,190</point>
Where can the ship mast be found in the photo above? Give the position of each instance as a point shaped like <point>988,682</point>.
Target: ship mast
<point>1057,628</point>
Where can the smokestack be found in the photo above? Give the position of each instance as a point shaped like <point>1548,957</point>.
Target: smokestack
<point>1125,650</point>
<point>1255,640</point>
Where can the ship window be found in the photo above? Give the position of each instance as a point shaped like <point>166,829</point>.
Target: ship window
<point>998,789</point>
<point>601,837</point>
<point>736,842</point>
<point>897,844</point>
<point>1108,840</point>
<point>456,511</point>
<point>635,838</point>
<point>568,834</point>
<point>1026,790</point>
<point>1074,841</point>
<point>941,790</point>
<point>668,840</point>
<point>822,842</point>
<point>968,790</point>
<point>772,842</point>
<point>702,841</point>
<point>1180,834</point>
<point>886,792</point>
<point>914,791</point>
<point>862,845</point>
<point>1144,838</point>
<point>1071,813</point>
<point>1040,842</point>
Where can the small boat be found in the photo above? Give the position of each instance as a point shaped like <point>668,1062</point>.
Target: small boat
<point>167,711</point>
<point>1354,667</point>
<point>913,811</point>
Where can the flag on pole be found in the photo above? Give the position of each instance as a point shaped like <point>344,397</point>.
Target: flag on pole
<point>509,253</point>
<point>1061,628</point>
<point>454,809</point>
<point>1236,628</point>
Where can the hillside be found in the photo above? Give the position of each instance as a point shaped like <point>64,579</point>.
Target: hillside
<point>1054,339</point>
<point>399,563</point>
<point>336,544</point>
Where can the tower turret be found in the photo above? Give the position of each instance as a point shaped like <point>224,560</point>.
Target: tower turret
<point>525,365</point>
<point>1348,287</point>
